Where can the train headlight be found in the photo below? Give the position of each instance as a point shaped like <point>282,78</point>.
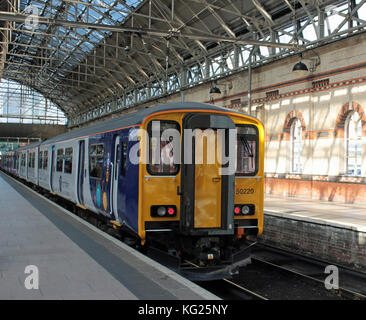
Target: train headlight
<point>245,210</point>
<point>161,211</point>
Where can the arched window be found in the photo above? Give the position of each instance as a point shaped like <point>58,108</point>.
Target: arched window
<point>296,146</point>
<point>353,138</point>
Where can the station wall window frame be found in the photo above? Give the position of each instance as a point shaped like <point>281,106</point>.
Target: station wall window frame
<point>296,146</point>
<point>353,144</point>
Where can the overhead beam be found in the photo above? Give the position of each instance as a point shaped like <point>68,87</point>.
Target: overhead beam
<point>21,18</point>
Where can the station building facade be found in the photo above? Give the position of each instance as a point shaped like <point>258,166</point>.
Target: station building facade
<point>315,123</point>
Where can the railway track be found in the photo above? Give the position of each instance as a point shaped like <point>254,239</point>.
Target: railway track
<point>281,275</point>
<point>352,284</point>
<point>241,289</point>
<point>229,290</point>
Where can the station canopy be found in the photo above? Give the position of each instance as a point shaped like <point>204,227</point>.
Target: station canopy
<point>95,57</point>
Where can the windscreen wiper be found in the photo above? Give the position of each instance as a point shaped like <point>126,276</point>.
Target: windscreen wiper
<point>247,147</point>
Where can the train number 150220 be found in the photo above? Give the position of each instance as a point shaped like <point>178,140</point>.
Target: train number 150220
<point>245,191</point>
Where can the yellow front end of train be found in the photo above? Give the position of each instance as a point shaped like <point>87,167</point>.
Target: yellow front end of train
<point>187,201</point>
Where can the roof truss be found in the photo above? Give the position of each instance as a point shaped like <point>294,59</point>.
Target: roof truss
<point>93,57</point>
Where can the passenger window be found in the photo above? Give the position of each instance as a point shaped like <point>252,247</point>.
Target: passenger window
<point>161,160</point>
<point>31,158</point>
<point>96,158</point>
<point>124,158</point>
<point>60,160</point>
<point>22,162</point>
<point>68,160</point>
<point>45,160</point>
<point>40,159</point>
<point>247,151</point>
<point>118,157</point>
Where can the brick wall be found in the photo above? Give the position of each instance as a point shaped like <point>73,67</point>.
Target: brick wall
<point>320,190</point>
<point>330,243</point>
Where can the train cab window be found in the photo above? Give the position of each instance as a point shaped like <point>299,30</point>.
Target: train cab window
<point>68,160</point>
<point>247,150</point>
<point>161,160</point>
<point>45,159</point>
<point>40,159</point>
<point>96,158</point>
<point>60,160</point>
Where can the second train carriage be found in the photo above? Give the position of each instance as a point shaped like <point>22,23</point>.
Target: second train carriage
<point>187,209</point>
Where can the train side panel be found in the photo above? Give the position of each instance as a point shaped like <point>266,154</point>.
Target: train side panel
<point>44,167</point>
<point>23,165</point>
<point>99,156</point>
<point>109,167</point>
<point>84,187</point>
<point>32,164</point>
<point>63,169</point>
<point>128,181</point>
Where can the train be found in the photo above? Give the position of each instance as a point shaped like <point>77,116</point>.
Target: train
<point>161,177</point>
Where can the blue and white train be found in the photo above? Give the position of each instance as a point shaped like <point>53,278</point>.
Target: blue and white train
<point>188,211</point>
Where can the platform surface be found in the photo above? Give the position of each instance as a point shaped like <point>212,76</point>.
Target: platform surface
<point>348,216</point>
<point>74,260</point>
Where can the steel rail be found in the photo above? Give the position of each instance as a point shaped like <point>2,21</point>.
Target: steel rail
<point>252,293</point>
<point>346,292</point>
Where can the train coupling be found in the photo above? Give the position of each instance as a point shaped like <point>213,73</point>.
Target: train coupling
<point>225,270</point>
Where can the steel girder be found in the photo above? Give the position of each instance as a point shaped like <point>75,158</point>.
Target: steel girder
<point>95,57</point>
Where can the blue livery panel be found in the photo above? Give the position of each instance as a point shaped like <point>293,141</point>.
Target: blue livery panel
<point>101,167</point>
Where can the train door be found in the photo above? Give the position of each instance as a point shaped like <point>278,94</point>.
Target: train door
<point>114,179</point>
<point>20,158</point>
<point>81,173</point>
<point>207,187</point>
<point>52,167</point>
<point>207,202</point>
<point>27,163</point>
<point>37,165</point>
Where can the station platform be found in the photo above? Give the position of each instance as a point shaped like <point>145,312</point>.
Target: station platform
<point>330,231</point>
<point>342,215</point>
<point>74,259</point>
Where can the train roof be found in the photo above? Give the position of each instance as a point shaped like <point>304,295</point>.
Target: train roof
<point>29,146</point>
<point>130,119</point>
